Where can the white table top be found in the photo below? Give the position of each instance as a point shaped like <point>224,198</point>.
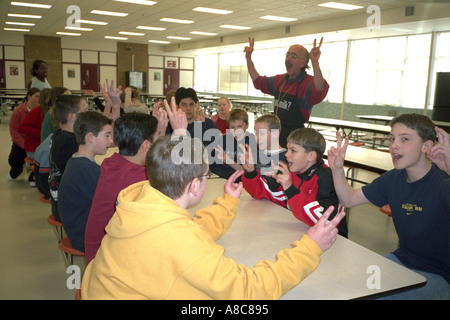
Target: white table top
<point>262,228</point>
<point>352,125</point>
<point>389,118</point>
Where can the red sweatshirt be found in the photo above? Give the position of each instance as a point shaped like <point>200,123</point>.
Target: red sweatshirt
<point>310,194</point>
<point>30,127</point>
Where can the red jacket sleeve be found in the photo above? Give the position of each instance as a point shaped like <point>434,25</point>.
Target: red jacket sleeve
<point>261,187</point>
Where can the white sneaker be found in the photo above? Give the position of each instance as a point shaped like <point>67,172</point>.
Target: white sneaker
<point>9,177</point>
<point>32,184</point>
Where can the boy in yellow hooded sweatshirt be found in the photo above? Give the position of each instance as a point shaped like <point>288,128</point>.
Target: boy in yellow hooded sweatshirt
<point>154,249</point>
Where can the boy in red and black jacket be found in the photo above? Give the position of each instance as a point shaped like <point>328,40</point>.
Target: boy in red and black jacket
<point>304,184</point>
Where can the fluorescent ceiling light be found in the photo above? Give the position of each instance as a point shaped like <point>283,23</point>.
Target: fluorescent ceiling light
<point>31,5</point>
<point>109,13</point>
<point>275,18</point>
<point>229,26</point>
<point>100,23</point>
<point>21,23</point>
<point>31,16</point>
<point>15,29</point>
<point>78,28</point>
<point>144,2</point>
<point>210,10</point>
<point>116,38</point>
<point>158,41</point>
<point>132,33</point>
<point>203,33</point>
<point>178,38</point>
<point>176,20</point>
<point>337,5</point>
<point>151,28</point>
<point>69,34</point>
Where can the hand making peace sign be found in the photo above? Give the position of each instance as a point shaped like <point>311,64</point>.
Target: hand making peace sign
<point>314,54</point>
<point>249,49</point>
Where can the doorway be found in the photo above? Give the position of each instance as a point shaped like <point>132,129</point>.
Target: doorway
<point>89,76</point>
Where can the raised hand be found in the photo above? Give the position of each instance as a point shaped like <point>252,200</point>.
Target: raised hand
<point>440,153</point>
<point>177,117</point>
<point>246,158</point>
<point>232,188</point>
<point>283,175</point>
<point>105,94</point>
<point>201,116</point>
<point>249,49</point>
<point>324,232</point>
<point>315,52</point>
<point>161,115</point>
<point>336,155</point>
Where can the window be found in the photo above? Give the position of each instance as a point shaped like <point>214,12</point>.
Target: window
<point>389,71</point>
<point>441,61</point>
<point>233,73</point>
<point>332,63</point>
<point>205,75</point>
<point>362,72</point>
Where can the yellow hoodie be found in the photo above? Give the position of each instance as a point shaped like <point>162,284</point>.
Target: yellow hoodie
<point>154,249</point>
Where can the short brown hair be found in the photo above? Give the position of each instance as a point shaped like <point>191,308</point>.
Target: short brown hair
<point>309,139</point>
<point>422,124</point>
<point>272,121</point>
<point>237,114</point>
<point>169,170</point>
<point>90,121</point>
<point>66,105</point>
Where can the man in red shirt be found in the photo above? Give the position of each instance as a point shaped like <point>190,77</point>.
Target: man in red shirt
<point>295,92</point>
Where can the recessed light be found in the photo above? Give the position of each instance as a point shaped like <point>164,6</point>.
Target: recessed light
<point>31,5</point>
<point>115,38</point>
<point>158,41</point>
<point>178,38</point>
<point>151,28</point>
<point>109,13</point>
<point>69,34</point>
<point>276,18</point>
<point>337,5</point>
<point>78,28</point>
<point>203,33</point>
<point>100,23</point>
<point>144,2</point>
<point>16,29</point>
<point>229,26</point>
<point>211,10</point>
<point>21,23</point>
<point>31,16</point>
<point>132,33</point>
<point>176,20</point>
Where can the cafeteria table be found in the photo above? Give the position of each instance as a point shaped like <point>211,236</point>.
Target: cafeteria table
<point>347,270</point>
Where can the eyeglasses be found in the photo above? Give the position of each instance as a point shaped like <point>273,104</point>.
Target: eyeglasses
<point>208,175</point>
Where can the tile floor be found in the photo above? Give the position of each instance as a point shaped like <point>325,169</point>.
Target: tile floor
<point>33,267</point>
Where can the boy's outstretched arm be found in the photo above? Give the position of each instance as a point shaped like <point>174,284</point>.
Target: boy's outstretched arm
<point>217,218</point>
<point>348,197</point>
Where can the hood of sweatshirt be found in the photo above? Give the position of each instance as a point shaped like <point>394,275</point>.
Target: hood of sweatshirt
<point>141,208</point>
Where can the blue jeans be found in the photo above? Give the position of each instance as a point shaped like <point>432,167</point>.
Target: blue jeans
<point>436,288</point>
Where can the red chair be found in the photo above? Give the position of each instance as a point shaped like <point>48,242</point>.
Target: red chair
<point>44,199</point>
<point>357,144</point>
<point>58,226</point>
<point>383,149</point>
<point>78,295</point>
<point>386,209</point>
<point>69,251</point>
<point>30,163</point>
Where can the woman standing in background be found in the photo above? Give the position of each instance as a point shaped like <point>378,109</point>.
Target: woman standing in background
<point>39,72</point>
